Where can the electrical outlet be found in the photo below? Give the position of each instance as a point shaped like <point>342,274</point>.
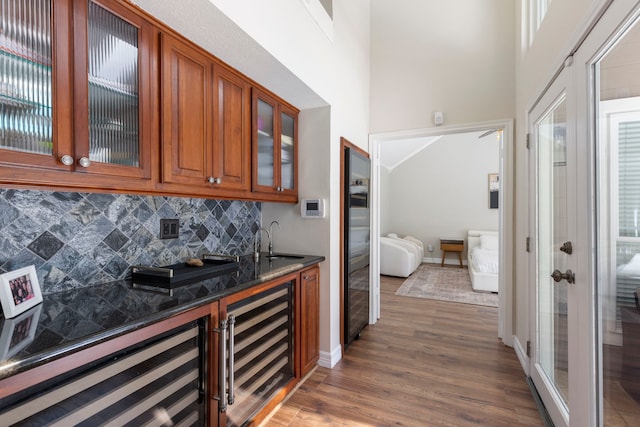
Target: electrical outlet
<point>169,228</point>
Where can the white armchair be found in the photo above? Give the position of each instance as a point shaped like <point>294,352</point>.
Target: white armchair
<point>399,257</point>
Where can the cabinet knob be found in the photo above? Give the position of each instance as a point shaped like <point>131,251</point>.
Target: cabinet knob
<point>66,160</point>
<point>84,162</point>
<point>213,180</point>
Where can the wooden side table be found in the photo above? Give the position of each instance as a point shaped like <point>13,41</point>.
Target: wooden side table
<point>451,245</point>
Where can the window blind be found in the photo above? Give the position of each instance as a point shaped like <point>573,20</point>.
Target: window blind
<point>628,206</point>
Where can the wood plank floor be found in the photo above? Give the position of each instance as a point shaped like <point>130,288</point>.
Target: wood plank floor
<point>425,363</point>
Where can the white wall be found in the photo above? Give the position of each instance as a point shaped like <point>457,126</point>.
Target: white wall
<point>443,190</point>
<point>385,206</point>
<point>326,74</point>
<point>451,56</point>
<point>320,162</point>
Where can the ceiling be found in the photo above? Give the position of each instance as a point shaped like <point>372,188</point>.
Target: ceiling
<point>395,152</point>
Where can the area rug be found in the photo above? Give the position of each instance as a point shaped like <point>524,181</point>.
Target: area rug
<point>446,284</point>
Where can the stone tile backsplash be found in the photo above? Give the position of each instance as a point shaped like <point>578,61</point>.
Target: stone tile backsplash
<point>81,239</point>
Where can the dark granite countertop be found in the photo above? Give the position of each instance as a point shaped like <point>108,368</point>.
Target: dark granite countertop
<point>69,321</point>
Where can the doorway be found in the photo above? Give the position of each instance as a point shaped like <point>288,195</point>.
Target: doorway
<point>585,128</point>
<point>505,212</point>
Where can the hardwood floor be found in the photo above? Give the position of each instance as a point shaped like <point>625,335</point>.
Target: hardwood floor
<point>424,363</point>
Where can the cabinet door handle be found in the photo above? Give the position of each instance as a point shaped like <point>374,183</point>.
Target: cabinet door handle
<point>213,180</point>
<point>66,160</point>
<point>232,340</point>
<point>84,162</point>
<point>202,354</point>
<point>222,367</point>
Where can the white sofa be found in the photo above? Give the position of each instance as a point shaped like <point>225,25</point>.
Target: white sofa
<point>400,256</point>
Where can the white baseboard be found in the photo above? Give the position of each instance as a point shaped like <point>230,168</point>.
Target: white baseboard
<point>447,261</point>
<point>521,352</point>
<point>329,360</point>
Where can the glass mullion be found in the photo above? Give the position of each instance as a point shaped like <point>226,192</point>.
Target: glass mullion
<point>25,76</point>
<point>113,89</point>
<point>265,144</point>
<point>287,152</point>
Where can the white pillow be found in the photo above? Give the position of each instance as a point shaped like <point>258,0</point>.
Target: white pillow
<point>631,268</point>
<point>489,242</point>
<point>393,235</point>
<point>414,240</point>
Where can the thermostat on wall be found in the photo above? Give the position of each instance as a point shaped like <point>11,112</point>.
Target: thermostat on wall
<point>312,208</point>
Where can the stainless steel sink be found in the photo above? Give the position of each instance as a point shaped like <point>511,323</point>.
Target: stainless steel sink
<point>284,256</point>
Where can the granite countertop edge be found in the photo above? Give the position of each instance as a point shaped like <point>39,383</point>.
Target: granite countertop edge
<point>18,365</point>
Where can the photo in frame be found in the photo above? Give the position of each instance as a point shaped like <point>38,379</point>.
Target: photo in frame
<point>19,332</point>
<point>494,190</point>
<point>19,291</point>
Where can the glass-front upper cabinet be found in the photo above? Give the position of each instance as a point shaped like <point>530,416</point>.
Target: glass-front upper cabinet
<point>32,91</point>
<point>110,122</point>
<point>275,147</point>
<point>266,144</point>
<point>287,151</point>
<point>74,77</point>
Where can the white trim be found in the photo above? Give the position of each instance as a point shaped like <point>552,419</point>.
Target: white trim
<point>541,362</point>
<point>505,309</point>
<point>374,245</point>
<point>329,360</point>
<point>322,18</point>
<point>521,352</point>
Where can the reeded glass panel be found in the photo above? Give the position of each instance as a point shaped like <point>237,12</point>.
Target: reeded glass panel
<point>25,76</point>
<point>265,144</point>
<point>618,248</point>
<point>113,89</point>
<point>286,151</point>
<point>552,233</point>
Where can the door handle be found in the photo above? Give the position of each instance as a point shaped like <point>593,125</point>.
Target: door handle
<point>222,367</point>
<point>569,276</point>
<point>232,340</point>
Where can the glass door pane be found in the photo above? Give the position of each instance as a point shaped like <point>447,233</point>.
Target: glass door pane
<point>113,89</point>
<point>25,76</point>
<point>286,151</point>
<point>265,144</point>
<point>552,232</point>
<point>357,171</point>
<point>618,229</point>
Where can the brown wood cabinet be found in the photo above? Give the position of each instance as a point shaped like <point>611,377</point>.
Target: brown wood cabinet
<point>112,100</point>
<point>206,121</point>
<point>84,110</point>
<point>246,351</point>
<point>308,309</point>
<point>186,108</point>
<point>275,148</point>
<point>60,389</point>
<point>232,130</point>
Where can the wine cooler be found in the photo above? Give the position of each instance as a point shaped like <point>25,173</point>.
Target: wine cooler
<point>160,381</point>
<point>258,352</point>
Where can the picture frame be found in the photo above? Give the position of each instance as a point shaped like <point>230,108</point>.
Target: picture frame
<point>494,190</point>
<point>19,332</point>
<point>19,291</point>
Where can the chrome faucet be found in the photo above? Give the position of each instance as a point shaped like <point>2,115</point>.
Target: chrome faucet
<point>270,234</point>
<point>256,247</point>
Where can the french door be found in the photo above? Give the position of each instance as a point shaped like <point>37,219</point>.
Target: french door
<point>610,59</point>
<point>585,186</point>
<point>556,315</point>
